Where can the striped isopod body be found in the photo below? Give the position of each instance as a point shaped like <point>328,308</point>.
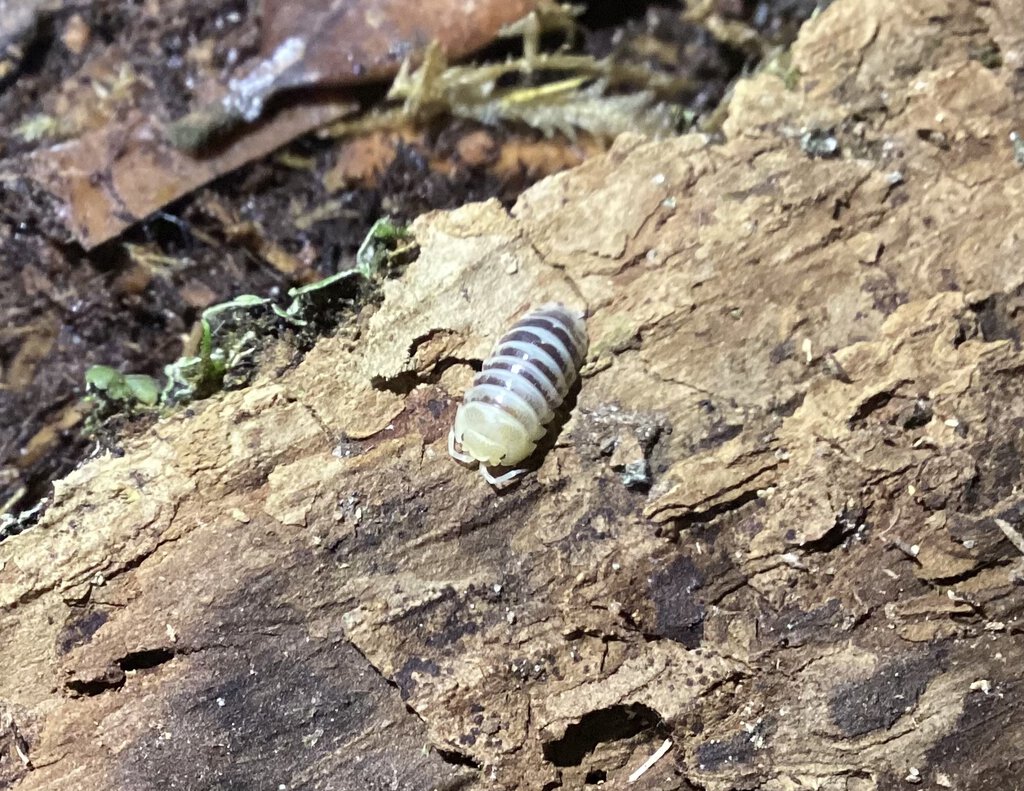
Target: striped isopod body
<point>515,395</point>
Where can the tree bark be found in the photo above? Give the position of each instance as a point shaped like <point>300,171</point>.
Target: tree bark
<point>808,334</point>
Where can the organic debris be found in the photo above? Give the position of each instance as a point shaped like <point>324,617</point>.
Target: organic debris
<point>318,43</point>
<point>577,98</point>
<point>229,336</point>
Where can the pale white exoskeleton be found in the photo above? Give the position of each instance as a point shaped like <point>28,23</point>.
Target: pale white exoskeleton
<point>513,398</point>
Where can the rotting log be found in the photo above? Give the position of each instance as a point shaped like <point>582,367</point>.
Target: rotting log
<point>817,357</point>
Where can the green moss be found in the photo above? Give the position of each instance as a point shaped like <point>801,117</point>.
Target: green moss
<point>230,335</point>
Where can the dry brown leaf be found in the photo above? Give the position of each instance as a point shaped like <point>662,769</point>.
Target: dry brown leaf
<point>350,41</point>
<point>119,174</point>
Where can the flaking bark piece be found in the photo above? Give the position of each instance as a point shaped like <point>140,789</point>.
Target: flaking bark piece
<point>475,274</point>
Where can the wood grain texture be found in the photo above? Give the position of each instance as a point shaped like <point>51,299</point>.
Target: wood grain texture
<point>819,362</point>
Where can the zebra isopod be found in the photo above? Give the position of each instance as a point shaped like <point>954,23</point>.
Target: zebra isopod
<point>526,378</point>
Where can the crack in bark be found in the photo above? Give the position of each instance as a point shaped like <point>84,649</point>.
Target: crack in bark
<point>448,754</point>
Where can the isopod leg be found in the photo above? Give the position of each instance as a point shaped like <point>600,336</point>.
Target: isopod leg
<point>463,458</point>
<point>500,481</point>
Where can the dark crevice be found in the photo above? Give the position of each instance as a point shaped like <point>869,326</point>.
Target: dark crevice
<point>872,404</point>
<point>455,758</point>
<point>718,435</point>
<point>579,634</point>
<point>966,330</point>
<point>833,538</point>
<point>20,744</point>
<point>604,725</point>
<point>965,576</point>
<point>95,686</point>
<point>846,525</point>
<point>788,407</point>
<point>36,49</point>
<point>999,317</point>
<point>407,381</point>
<point>709,515</point>
<point>919,415</point>
<point>115,675</point>
<point>722,591</point>
<point>145,660</point>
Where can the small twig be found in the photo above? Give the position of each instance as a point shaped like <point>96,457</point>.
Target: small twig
<point>20,745</point>
<point>659,753</point>
<point>1011,533</point>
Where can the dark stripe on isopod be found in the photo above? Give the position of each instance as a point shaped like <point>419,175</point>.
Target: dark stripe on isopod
<point>556,327</point>
<point>508,401</point>
<point>549,370</point>
<point>524,381</point>
<point>579,338</point>
<point>524,390</point>
<point>530,371</point>
<point>569,319</point>
<point>531,336</point>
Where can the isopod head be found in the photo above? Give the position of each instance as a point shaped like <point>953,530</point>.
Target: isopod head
<point>490,436</point>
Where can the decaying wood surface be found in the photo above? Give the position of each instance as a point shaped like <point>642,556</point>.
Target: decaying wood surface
<point>819,360</point>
